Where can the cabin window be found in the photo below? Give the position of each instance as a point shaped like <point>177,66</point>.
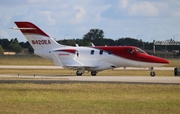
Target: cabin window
<point>92,52</point>
<point>110,52</point>
<point>101,52</point>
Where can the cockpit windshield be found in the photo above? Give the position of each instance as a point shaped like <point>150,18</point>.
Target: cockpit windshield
<point>136,50</point>
<point>140,50</point>
<point>130,50</point>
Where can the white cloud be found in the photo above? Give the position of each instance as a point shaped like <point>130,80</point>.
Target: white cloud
<point>48,14</point>
<point>143,9</point>
<point>118,18</point>
<point>37,1</point>
<point>81,13</point>
<point>176,14</point>
<point>4,33</point>
<point>6,19</point>
<point>123,3</point>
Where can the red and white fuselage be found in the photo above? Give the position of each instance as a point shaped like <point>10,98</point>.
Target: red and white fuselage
<point>94,59</point>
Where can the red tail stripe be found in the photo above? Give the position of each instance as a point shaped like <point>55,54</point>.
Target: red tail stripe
<point>30,25</point>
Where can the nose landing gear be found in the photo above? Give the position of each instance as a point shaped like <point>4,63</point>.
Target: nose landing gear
<point>152,73</point>
<point>79,73</point>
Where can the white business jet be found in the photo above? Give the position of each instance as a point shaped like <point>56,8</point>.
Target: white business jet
<point>93,59</point>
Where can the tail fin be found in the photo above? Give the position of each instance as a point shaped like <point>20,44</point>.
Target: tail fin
<point>36,37</point>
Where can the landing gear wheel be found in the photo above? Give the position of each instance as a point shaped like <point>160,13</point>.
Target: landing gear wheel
<point>152,74</point>
<point>93,73</point>
<point>78,73</point>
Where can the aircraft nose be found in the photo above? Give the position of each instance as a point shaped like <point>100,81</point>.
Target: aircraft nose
<point>164,61</point>
<point>160,60</point>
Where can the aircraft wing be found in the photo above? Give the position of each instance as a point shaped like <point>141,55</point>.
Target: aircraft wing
<point>70,62</point>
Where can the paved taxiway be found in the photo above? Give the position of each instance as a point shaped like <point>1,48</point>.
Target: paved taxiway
<point>92,79</point>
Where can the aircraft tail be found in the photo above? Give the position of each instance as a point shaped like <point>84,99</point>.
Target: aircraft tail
<point>36,37</point>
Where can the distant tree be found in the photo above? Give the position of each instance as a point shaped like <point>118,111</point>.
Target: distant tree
<point>1,50</point>
<point>129,42</point>
<point>14,46</point>
<point>4,43</point>
<point>30,49</point>
<point>94,34</point>
<point>70,42</point>
<point>24,45</point>
<point>82,42</point>
<point>105,41</point>
<point>14,40</point>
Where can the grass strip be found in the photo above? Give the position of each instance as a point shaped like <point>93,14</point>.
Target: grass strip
<point>89,98</point>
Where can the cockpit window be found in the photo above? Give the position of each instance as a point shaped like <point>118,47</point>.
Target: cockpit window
<point>140,50</point>
<point>130,50</point>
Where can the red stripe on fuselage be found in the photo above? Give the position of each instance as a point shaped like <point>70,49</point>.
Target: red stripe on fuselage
<point>68,50</point>
<point>37,30</point>
<point>124,51</point>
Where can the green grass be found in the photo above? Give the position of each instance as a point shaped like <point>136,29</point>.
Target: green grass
<point>84,98</point>
<point>89,99</point>
<point>174,63</point>
<point>25,60</point>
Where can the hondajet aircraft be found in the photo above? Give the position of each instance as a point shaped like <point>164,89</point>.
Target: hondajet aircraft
<point>93,59</point>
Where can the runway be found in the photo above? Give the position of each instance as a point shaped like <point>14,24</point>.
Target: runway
<point>90,79</point>
<point>86,79</point>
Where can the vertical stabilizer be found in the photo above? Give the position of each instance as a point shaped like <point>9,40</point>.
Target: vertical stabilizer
<point>36,37</point>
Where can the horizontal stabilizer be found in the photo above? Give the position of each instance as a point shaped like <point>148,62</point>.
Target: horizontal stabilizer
<point>15,28</point>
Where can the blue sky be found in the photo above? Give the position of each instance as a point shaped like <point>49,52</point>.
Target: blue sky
<point>142,19</point>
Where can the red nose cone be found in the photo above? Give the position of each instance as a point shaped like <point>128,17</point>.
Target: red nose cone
<point>159,60</point>
<point>164,61</point>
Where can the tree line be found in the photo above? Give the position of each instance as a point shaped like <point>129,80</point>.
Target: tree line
<point>95,36</point>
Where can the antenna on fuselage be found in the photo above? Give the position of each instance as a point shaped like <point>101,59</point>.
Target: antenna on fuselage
<point>92,45</point>
<point>77,45</point>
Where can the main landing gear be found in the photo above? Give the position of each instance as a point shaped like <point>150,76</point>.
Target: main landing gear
<point>93,73</point>
<point>80,72</point>
<point>152,73</point>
